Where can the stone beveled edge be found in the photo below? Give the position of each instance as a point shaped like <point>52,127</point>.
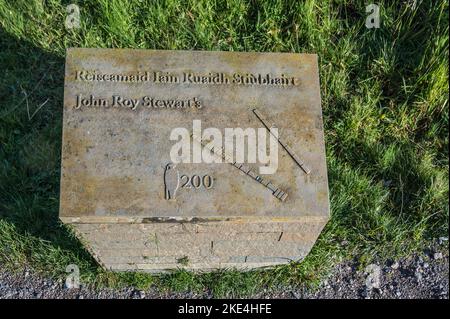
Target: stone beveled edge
<point>193,220</point>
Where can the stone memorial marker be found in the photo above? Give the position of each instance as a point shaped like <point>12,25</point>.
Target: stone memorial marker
<point>191,159</point>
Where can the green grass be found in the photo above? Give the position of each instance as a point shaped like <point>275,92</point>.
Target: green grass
<point>385,103</point>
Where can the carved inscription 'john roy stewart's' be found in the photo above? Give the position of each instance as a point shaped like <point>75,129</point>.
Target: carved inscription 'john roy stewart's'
<point>146,187</point>
<point>117,101</point>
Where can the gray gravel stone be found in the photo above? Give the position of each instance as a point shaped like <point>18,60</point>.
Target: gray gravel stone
<point>437,255</point>
<point>345,281</point>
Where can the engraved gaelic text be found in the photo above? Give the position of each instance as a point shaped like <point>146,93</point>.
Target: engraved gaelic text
<point>207,78</point>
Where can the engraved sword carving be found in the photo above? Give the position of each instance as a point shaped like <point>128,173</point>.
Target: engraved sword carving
<point>220,152</point>
<point>282,143</point>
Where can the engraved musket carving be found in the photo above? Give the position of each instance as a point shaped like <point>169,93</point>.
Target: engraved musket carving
<point>282,143</point>
<point>277,192</point>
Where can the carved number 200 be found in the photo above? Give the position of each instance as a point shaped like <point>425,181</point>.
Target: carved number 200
<point>197,181</point>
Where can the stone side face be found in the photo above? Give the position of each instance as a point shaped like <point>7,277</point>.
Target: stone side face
<point>163,246</point>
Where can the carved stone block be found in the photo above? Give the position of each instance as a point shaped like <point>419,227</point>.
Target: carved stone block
<point>193,159</point>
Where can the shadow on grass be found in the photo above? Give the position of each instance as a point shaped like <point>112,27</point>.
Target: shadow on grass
<point>31,95</point>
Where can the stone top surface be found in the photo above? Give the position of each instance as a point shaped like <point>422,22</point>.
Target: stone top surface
<point>121,107</point>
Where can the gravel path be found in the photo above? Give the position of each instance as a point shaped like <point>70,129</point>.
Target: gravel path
<point>425,276</point>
